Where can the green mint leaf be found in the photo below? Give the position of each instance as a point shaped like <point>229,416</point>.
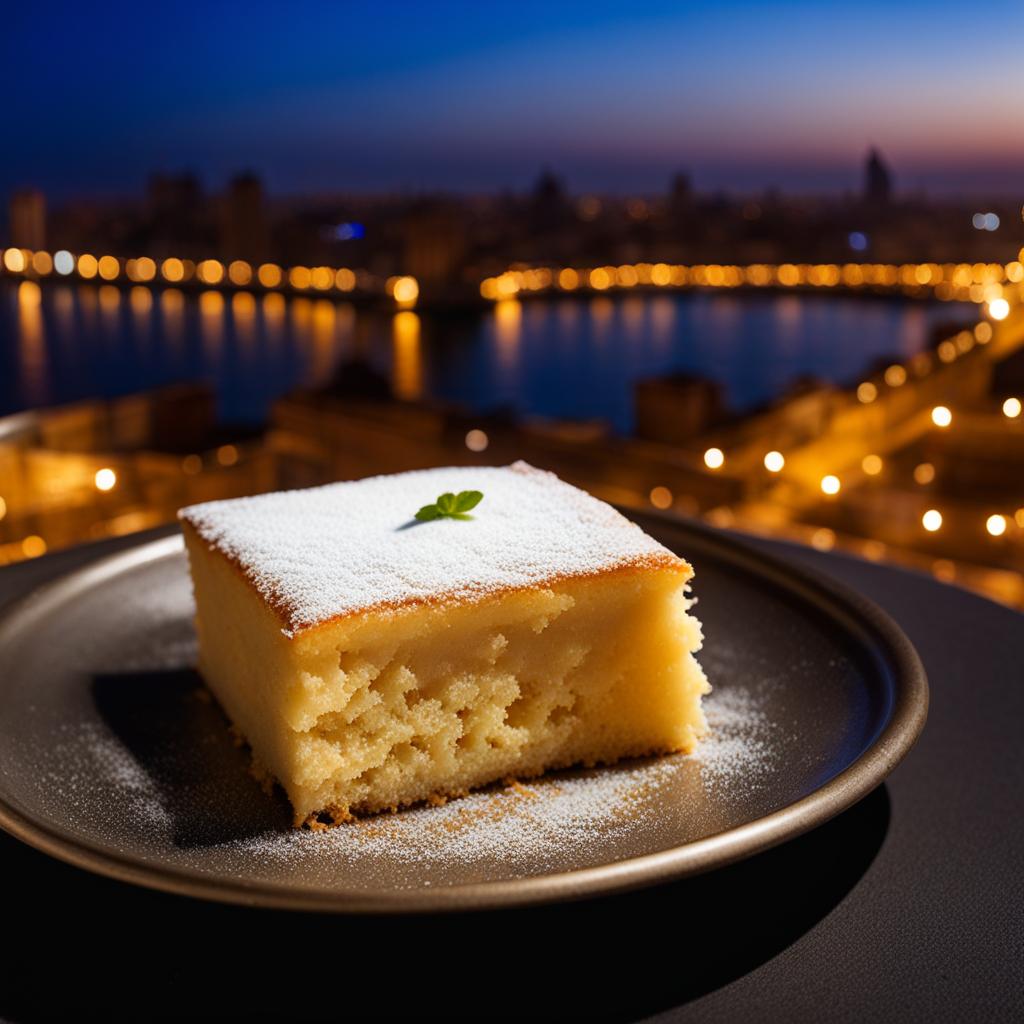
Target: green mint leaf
<point>465,500</point>
<point>451,506</point>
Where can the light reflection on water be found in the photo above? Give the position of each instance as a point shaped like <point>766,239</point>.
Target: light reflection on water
<point>573,357</point>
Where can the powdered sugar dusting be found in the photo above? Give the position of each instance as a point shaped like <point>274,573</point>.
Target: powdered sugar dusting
<point>737,751</point>
<point>545,824</point>
<point>328,551</point>
<point>89,752</point>
<point>541,821</point>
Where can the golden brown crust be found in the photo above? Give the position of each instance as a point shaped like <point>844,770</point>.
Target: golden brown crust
<point>643,563</point>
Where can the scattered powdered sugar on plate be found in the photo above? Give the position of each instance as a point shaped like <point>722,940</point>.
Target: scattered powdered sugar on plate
<point>89,753</point>
<point>544,818</point>
<point>736,750</point>
<point>536,825</point>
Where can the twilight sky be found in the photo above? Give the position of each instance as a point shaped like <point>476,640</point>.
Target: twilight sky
<point>377,95</point>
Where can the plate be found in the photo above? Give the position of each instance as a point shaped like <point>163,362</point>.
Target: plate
<point>114,757</point>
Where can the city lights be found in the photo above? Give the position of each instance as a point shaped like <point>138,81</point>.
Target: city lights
<point>998,309</point>
<point>660,275</point>
<point>823,539</point>
<point>405,291</point>
<point>143,269</point>
<point>506,286</point>
<point>172,269</point>
<point>239,273</point>
<point>269,275</point>
<point>895,376</point>
<point>924,473</point>
<point>899,425</point>
<point>322,278</point>
<point>714,458</point>
<point>299,278</point>
<point>477,440</point>
<point>227,455</point>
<point>33,546</point>
<point>108,267</point>
<point>996,525</point>
<point>661,497</point>
<point>981,282</point>
<point>14,261</point>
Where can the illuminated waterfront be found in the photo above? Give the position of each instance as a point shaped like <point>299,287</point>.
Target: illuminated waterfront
<point>566,357</point>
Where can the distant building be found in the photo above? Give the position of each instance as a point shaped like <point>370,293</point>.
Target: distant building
<point>676,408</point>
<point>877,180</point>
<point>549,204</point>
<point>176,213</point>
<point>434,246</point>
<point>171,195</point>
<point>244,233</point>
<point>28,219</point>
<point>680,191</point>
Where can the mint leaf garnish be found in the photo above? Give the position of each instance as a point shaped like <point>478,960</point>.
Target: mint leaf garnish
<point>465,500</point>
<point>451,506</point>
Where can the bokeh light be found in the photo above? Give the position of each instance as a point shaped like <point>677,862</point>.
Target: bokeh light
<point>714,458</point>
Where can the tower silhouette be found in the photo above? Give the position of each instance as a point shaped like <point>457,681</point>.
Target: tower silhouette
<point>877,179</point>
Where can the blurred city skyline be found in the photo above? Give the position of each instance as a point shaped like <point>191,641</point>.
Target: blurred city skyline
<point>742,96</point>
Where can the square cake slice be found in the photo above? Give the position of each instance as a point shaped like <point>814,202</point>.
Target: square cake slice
<point>373,660</point>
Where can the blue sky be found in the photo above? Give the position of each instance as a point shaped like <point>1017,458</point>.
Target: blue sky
<point>472,96</point>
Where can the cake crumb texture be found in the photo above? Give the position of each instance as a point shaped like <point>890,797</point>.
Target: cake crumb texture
<point>571,652</point>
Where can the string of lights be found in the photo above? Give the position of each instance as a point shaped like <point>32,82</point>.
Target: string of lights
<point>971,282</point>
<point>209,273</point>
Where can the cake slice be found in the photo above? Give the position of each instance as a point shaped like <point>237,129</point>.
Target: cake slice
<point>373,660</point>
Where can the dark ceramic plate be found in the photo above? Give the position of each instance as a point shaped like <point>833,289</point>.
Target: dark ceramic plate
<point>113,757</point>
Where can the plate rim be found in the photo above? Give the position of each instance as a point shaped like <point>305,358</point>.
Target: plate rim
<point>907,684</point>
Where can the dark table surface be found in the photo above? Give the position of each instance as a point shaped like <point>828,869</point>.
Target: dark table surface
<point>908,907</point>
